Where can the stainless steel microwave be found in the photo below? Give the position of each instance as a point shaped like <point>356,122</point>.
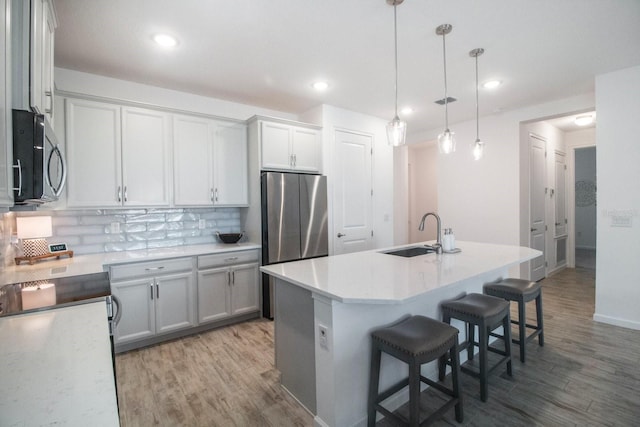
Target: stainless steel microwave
<point>39,169</point>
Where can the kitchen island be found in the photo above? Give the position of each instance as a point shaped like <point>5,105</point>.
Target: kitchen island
<point>325,309</point>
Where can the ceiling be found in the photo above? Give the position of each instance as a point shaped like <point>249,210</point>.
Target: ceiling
<point>268,52</point>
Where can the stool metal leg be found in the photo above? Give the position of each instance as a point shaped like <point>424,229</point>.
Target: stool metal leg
<point>539,316</point>
<point>374,379</point>
<point>471,339</point>
<point>455,378</point>
<point>483,341</point>
<point>506,325</point>
<point>522,327</point>
<point>414,394</point>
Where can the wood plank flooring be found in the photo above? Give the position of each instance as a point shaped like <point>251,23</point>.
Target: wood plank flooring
<point>587,374</point>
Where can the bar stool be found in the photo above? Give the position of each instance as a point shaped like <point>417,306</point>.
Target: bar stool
<point>415,340</point>
<point>522,291</point>
<point>487,313</point>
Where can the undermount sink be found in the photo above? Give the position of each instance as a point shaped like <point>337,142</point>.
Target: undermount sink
<point>411,251</point>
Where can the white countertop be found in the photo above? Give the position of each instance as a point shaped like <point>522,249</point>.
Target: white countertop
<point>56,368</point>
<point>373,277</point>
<point>94,263</point>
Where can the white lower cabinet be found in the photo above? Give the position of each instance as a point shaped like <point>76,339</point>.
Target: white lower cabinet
<point>228,285</point>
<point>159,300</point>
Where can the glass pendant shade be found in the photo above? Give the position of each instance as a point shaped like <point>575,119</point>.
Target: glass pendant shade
<point>446,142</point>
<point>396,131</point>
<point>478,149</point>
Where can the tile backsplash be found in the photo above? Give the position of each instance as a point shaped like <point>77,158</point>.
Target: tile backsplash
<point>110,230</point>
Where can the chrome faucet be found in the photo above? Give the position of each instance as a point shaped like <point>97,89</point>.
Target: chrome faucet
<point>438,245</point>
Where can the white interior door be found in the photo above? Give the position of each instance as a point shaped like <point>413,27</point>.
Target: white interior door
<point>353,193</point>
<point>560,194</point>
<point>537,192</point>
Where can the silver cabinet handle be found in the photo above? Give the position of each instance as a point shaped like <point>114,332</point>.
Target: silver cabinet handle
<point>19,187</point>
<point>216,195</point>
<point>151,288</point>
<point>125,193</point>
<point>233,277</point>
<point>228,278</point>
<point>212,196</point>
<point>295,160</point>
<point>341,235</point>
<point>233,258</point>
<point>157,289</point>
<point>119,194</point>
<point>154,268</point>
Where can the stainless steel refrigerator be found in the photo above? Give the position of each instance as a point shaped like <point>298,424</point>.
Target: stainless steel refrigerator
<point>294,222</point>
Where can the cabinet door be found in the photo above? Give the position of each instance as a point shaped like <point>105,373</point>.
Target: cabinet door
<point>275,143</point>
<point>48,39</point>
<point>6,153</point>
<point>41,62</point>
<point>244,289</point>
<point>230,166</point>
<point>93,154</point>
<point>306,149</point>
<point>145,157</point>
<point>138,316</point>
<point>213,295</point>
<point>175,302</point>
<point>192,160</point>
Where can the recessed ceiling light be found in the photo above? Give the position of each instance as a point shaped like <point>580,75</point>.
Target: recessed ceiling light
<point>165,40</point>
<point>406,110</point>
<point>583,120</point>
<point>491,84</point>
<point>320,86</point>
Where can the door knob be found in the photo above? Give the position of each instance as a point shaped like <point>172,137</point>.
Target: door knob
<point>341,235</point>
<point>533,229</point>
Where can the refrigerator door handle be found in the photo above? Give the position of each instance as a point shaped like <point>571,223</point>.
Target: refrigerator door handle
<point>341,235</point>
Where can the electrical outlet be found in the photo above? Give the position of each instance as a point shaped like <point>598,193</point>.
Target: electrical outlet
<point>115,227</point>
<point>323,337</point>
<point>202,224</point>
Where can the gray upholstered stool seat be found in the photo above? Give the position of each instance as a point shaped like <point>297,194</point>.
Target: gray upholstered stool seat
<point>521,291</point>
<point>487,313</point>
<point>415,340</point>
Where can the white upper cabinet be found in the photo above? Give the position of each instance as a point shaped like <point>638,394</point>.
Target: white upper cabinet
<point>43,25</point>
<point>210,162</point>
<point>192,152</point>
<point>230,165</point>
<point>6,141</point>
<point>146,169</point>
<point>117,156</point>
<point>290,147</point>
<point>93,143</point>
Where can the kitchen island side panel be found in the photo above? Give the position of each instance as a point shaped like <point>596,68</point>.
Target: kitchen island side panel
<point>294,342</point>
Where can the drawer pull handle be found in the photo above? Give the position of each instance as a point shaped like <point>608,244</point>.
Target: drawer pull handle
<point>233,258</point>
<point>154,268</point>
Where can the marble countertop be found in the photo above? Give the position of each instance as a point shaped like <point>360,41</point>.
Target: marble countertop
<point>374,277</point>
<point>94,263</point>
<point>56,368</point>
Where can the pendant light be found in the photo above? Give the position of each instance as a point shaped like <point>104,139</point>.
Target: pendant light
<point>446,141</point>
<point>478,146</point>
<point>396,129</point>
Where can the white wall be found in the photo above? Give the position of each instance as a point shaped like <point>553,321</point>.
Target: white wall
<point>423,189</point>
<point>332,118</point>
<point>618,157</point>
<point>480,200</point>
<point>107,87</point>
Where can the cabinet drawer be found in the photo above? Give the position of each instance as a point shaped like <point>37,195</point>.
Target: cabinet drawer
<point>152,268</point>
<point>227,258</point>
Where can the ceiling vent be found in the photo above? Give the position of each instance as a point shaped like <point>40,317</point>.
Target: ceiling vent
<point>449,100</point>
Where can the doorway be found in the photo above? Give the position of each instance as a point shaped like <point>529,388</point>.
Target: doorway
<point>585,184</point>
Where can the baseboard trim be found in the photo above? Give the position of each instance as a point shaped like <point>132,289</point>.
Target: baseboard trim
<point>616,321</point>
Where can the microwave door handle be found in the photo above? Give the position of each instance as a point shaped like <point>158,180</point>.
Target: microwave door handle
<point>19,187</point>
<point>63,178</point>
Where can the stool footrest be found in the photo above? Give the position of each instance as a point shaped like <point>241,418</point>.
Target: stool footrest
<point>392,390</point>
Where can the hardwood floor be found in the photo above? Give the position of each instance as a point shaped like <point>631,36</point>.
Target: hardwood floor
<point>587,374</point>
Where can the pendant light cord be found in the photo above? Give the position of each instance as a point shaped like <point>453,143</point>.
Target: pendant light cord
<point>446,100</point>
<point>477,108</point>
<point>395,36</point>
